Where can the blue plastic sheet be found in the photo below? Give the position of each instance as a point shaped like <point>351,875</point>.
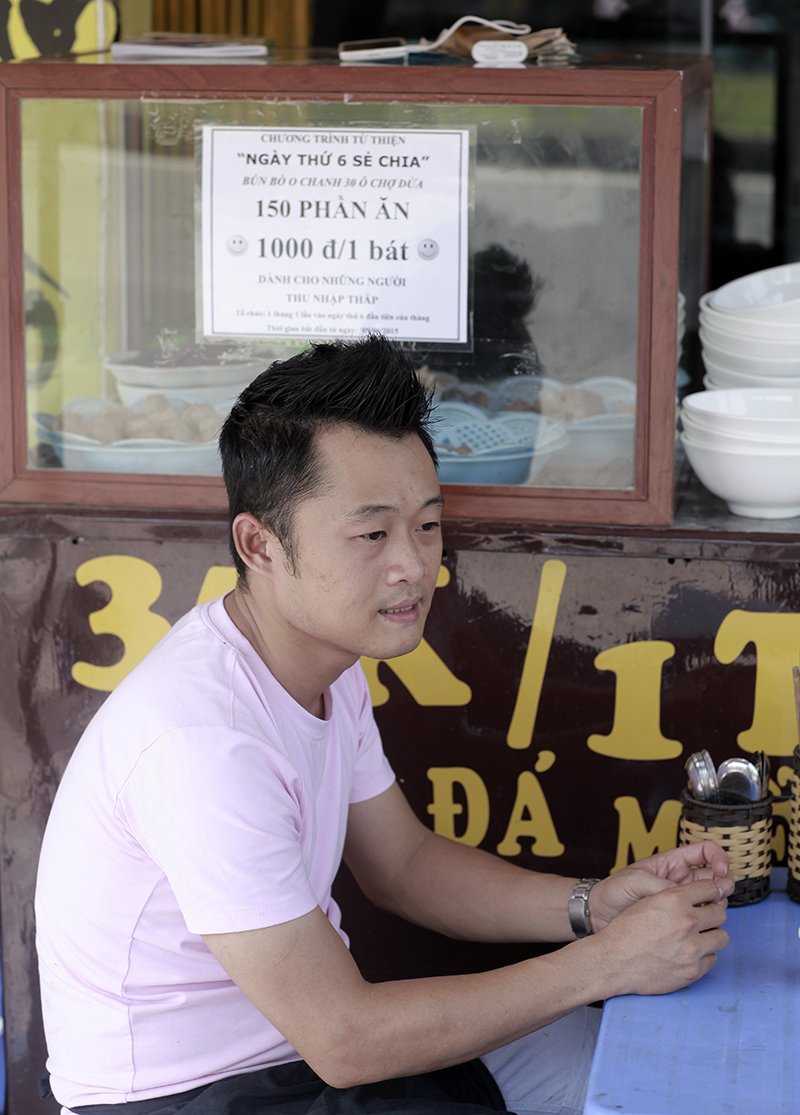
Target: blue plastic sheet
<point>727,1045</point>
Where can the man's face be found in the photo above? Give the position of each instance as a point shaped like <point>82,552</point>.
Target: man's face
<point>368,549</point>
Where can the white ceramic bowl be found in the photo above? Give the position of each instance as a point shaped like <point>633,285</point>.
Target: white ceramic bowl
<point>754,485</point>
<point>188,376</point>
<point>618,394</point>
<point>749,346</point>
<point>769,295</point>
<point>758,413</point>
<point>215,396</point>
<point>738,442</point>
<point>523,390</point>
<point>601,439</point>
<point>725,377</point>
<point>748,383</point>
<point>751,365</point>
<point>214,384</point>
<point>732,322</point>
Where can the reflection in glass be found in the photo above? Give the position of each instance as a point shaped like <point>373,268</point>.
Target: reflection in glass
<point>546,387</point>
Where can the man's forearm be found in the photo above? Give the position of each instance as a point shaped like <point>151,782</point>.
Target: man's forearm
<point>469,894</point>
<point>460,891</point>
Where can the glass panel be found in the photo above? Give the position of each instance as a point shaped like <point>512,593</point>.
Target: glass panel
<point>539,390</point>
<point>693,236</point>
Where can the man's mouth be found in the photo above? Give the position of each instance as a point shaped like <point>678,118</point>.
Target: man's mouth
<point>409,608</point>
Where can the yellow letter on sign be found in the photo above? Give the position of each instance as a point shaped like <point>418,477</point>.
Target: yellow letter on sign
<point>523,718</point>
<point>636,731</point>
<point>777,640</point>
<point>425,676</point>
<point>530,816</point>
<point>135,585</point>
<point>634,833</point>
<point>444,808</point>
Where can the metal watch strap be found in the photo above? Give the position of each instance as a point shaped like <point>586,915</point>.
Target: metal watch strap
<point>580,919</point>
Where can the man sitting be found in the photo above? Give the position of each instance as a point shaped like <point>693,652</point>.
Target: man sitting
<point>191,954</point>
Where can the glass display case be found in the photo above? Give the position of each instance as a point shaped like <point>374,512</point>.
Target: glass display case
<point>531,235</point>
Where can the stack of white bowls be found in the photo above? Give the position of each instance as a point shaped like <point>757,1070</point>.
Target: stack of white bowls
<point>750,330</point>
<point>744,446</point>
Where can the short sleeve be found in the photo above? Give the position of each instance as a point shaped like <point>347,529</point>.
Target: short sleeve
<point>221,814</point>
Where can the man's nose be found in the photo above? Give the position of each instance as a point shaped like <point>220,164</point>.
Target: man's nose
<point>406,562</point>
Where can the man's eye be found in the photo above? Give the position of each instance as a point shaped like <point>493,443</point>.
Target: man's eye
<point>375,535</point>
<point>428,527</point>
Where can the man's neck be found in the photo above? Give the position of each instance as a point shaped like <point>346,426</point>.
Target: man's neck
<point>304,679</point>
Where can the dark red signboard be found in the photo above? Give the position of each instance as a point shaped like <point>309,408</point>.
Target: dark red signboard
<point>564,679</point>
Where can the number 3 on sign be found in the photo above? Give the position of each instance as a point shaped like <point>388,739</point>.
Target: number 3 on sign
<point>135,586</point>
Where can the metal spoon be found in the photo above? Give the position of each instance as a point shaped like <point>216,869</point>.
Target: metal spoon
<point>703,780</point>
<point>761,763</point>
<point>739,782</point>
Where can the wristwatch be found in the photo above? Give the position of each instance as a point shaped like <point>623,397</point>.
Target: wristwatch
<point>580,919</point>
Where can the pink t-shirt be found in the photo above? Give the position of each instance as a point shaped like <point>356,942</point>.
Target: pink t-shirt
<point>201,799</point>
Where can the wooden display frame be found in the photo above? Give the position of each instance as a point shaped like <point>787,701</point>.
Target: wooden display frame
<point>658,86</point>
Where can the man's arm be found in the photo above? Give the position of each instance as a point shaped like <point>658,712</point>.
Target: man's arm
<point>303,979</point>
<point>469,894</point>
<point>301,976</point>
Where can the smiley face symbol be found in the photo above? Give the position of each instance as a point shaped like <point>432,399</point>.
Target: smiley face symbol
<point>237,245</point>
<point>428,249</point>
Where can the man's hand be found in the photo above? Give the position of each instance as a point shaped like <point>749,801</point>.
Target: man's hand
<point>676,867</point>
<point>665,941</point>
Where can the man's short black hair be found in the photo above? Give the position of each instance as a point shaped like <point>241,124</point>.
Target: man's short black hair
<point>267,444</point>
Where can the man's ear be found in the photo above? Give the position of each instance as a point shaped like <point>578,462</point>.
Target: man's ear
<point>258,547</point>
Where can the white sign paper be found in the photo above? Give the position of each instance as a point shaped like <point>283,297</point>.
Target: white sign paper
<point>320,232</point>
